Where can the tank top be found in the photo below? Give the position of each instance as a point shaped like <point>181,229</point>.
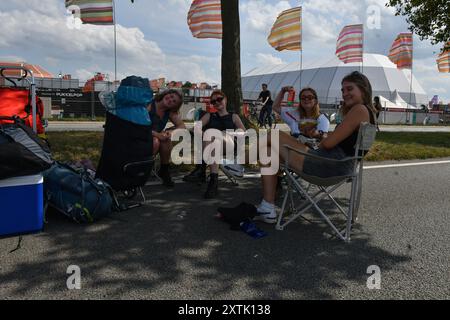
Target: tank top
<point>220,122</point>
<point>348,144</point>
<point>158,124</point>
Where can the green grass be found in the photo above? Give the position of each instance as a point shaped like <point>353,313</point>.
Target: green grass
<point>74,146</point>
<point>409,146</point>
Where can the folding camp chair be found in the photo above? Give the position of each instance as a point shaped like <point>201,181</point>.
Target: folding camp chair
<point>326,186</point>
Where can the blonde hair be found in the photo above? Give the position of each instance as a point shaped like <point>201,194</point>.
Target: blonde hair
<point>316,109</point>
<point>160,96</point>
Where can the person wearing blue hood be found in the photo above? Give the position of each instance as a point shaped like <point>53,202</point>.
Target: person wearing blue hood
<point>164,107</point>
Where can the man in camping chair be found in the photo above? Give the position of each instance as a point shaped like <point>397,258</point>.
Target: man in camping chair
<point>329,160</point>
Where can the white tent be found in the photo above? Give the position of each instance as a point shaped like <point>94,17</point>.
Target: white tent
<point>399,102</point>
<point>326,76</point>
<point>386,103</point>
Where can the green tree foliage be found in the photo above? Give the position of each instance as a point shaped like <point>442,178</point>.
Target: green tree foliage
<point>429,19</point>
<point>187,85</point>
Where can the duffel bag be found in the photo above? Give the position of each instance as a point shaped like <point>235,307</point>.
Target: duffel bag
<point>76,194</point>
<point>22,152</point>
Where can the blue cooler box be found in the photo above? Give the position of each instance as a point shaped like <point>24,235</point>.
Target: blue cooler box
<point>21,205</point>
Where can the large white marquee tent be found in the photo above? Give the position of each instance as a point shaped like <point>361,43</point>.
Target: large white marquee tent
<point>387,81</point>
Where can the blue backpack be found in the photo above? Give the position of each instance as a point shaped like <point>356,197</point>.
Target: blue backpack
<point>76,194</point>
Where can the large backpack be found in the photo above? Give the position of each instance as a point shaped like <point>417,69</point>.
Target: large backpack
<point>22,152</point>
<point>76,194</point>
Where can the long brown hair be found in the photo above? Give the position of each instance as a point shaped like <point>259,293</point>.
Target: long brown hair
<point>316,110</point>
<point>364,85</point>
<point>160,96</point>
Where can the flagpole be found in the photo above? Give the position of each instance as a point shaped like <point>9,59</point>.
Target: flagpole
<point>411,81</point>
<point>301,48</point>
<point>362,62</point>
<point>115,41</point>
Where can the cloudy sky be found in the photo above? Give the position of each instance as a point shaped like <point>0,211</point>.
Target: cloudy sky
<point>154,39</point>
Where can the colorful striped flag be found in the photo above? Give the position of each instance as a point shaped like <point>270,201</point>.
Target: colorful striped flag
<point>286,33</point>
<point>205,19</point>
<point>349,46</point>
<point>401,52</point>
<point>443,60</point>
<point>94,11</point>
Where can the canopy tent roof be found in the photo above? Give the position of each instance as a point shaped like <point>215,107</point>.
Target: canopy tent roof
<point>326,76</point>
<point>396,103</point>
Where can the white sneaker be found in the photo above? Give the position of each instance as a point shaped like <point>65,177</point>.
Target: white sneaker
<point>267,217</point>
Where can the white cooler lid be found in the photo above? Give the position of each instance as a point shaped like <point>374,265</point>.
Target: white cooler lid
<point>22,181</point>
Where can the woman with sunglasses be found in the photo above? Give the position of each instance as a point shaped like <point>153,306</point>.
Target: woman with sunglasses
<point>358,108</point>
<point>165,107</point>
<point>307,120</point>
<point>220,120</point>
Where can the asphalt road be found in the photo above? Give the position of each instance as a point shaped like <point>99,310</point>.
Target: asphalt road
<point>98,126</point>
<point>174,248</point>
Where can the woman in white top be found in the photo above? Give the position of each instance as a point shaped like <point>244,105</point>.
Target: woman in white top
<point>307,119</point>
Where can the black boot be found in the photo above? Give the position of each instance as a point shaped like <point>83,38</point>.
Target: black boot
<point>198,175</point>
<point>164,174</point>
<point>213,186</point>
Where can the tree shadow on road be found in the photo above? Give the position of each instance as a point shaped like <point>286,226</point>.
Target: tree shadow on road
<point>174,248</point>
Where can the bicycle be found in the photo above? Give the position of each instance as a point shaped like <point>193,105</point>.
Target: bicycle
<point>254,110</point>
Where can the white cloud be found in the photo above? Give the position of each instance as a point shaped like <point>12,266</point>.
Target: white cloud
<point>11,58</point>
<point>91,48</point>
<point>261,15</point>
<point>268,59</point>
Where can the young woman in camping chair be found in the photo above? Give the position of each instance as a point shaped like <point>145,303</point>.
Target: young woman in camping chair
<point>165,107</point>
<point>306,121</point>
<point>220,120</point>
<point>358,108</point>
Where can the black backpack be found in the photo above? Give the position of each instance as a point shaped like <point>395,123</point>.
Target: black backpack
<point>22,152</point>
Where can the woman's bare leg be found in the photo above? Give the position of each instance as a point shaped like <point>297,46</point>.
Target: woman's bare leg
<point>269,182</point>
<point>165,149</point>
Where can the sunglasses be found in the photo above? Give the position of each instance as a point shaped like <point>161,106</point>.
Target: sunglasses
<point>217,100</point>
<point>305,98</point>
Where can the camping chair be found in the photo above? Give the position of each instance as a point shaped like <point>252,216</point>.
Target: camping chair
<point>126,160</point>
<point>326,186</point>
<point>230,168</point>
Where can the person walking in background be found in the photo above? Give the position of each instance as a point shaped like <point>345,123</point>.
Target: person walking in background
<point>266,98</point>
<point>378,107</point>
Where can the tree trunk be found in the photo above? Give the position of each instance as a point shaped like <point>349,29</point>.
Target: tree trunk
<point>231,55</point>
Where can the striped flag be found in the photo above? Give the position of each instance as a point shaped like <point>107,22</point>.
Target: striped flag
<point>94,11</point>
<point>401,52</point>
<point>443,60</point>
<point>286,33</point>
<point>349,46</point>
<point>205,19</point>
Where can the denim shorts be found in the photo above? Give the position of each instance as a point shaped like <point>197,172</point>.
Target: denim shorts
<point>326,169</point>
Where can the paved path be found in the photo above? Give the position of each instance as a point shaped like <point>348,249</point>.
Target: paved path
<point>174,248</point>
<point>98,126</point>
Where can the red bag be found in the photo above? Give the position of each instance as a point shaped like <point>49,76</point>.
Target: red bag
<point>17,102</point>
